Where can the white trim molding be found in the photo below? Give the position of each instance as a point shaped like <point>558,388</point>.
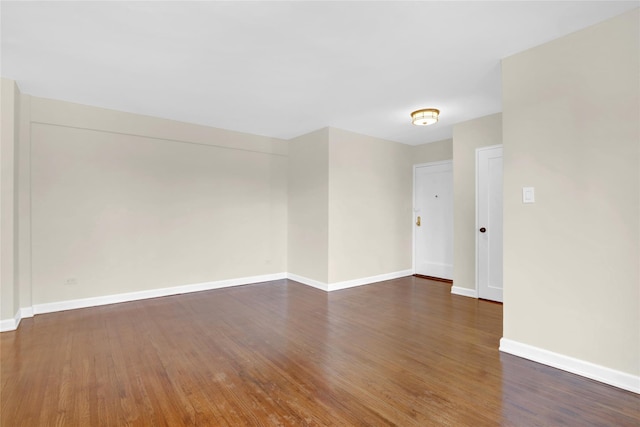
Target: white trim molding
<point>51,307</point>
<point>583,368</point>
<point>11,324</point>
<point>152,293</point>
<point>329,287</point>
<point>309,282</point>
<point>465,292</point>
<point>368,280</point>
<point>26,312</point>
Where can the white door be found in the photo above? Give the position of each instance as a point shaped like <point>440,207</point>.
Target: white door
<point>489,222</point>
<point>433,220</point>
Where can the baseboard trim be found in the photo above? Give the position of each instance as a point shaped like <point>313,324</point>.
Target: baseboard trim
<point>26,312</point>
<point>309,282</point>
<point>152,293</point>
<point>7,325</point>
<point>465,292</point>
<point>11,324</point>
<point>570,364</point>
<point>329,287</point>
<point>368,280</point>
<point>52,307</point>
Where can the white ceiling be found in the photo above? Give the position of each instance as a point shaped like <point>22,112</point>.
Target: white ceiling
<point>283,69</point>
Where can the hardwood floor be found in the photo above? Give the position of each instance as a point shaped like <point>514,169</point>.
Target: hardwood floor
<point>403,352</point>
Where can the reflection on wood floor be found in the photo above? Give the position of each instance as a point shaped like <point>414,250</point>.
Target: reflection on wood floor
<point>403,352</point>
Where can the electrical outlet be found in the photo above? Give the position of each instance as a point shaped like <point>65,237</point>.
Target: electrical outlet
<point>71,281</point>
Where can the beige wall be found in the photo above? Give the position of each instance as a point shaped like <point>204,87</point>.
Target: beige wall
<point>571,260</point>
<point>81,116</point>
<point>9,137</point>
<point>308,217</point>
<point>370,196</point>
<point>349,206</point>
<point>432,152</point>
<point>112,202</point>
<point>468,136</point>
<point>124,203</point>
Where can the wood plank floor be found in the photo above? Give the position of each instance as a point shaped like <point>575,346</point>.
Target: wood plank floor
<point>403,352</point>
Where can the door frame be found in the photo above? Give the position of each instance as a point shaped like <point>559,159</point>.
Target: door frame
<point>477,246</point>
<point>413,210</point>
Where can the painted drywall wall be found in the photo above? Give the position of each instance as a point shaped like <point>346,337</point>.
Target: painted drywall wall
<point>571,260</point>
<point>9,139</point>
<point>468,136</point>
<point>69,114</point>
<point>349,207</point>
<point>432,152</point>
<point>123,203</point>
<point>308,209</point>
<point>114,203</point>
<point>370,196</point>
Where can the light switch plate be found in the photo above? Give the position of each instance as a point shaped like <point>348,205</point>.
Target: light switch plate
<point>528,195</point>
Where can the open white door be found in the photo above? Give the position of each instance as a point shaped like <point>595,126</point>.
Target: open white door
<point>433,220</point>
<point>489,222</point>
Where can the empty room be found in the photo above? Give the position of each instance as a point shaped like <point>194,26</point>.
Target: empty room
<point>320,213</point>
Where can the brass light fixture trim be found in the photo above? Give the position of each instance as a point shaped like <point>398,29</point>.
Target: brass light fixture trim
<point>425,116</point>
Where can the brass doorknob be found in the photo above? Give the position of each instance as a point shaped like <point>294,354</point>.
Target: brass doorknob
<point>418,222</point>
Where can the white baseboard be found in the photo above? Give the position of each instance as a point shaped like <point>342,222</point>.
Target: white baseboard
<point>465,292</point>
<point>309,282</point>
<point>7,325</point>
<point>152,293</point>
<point>575,366</point>
<point>10,324</point>
<point>368,280</point>
<point>328,287</point>
<point>26,312</point>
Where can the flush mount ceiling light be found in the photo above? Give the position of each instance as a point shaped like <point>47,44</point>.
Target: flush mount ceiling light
<point>425,117</point>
